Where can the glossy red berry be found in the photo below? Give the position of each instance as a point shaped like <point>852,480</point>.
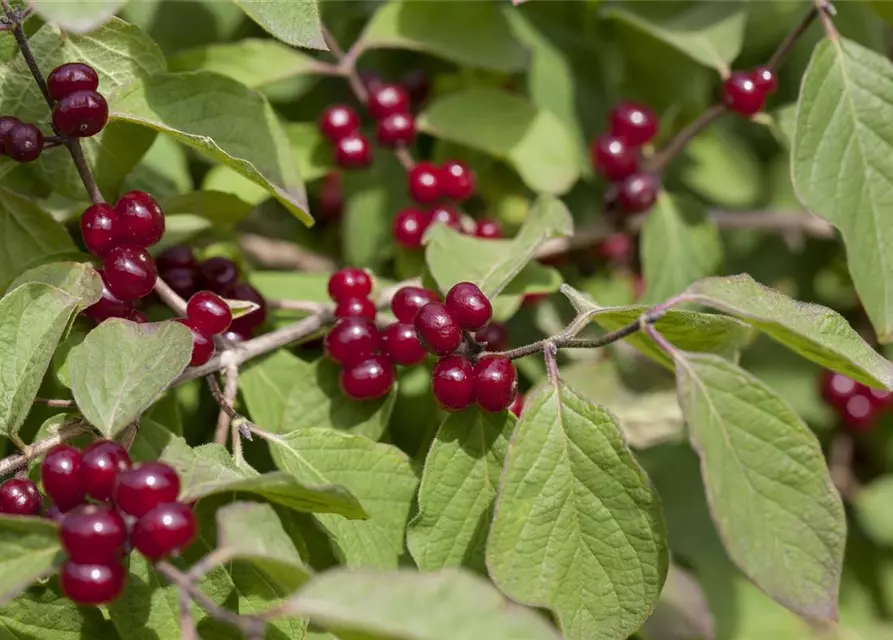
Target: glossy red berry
<point>488,229</point>
<point>166,529</point>
<point>495,383</point>
<point>456,180</point>
<point>469,306</point>
<point>617,247</point>
<point>100,229</point>
<point>60,474</point>
<point>177,257</point>
<point>397,128</point>
<point>495,336</point>
<point>638,193</point>
<point>400,343</point>
<point>202,343</point>
<point>130,272</point>
<point>349,282</point>
<point>765,80</point>
<point>23,142</point>
<point>355,308</point>
<point>19,497</point>
<point>387,99</point>
<point>517,405</point>
<point>141,219</point>
<point>208,313</point>
<point>235,336</point>
<point>409,228</point>
<point>218,274</point>
<point>452,383</point>
<point>836,389</point>
<point>352,339</point>
<point>108,306</point>
<point>93,534</point>
<point>144,487</point>
<point>369,378</point>
<point>247,323</point>
<point>613,157</point>
<point>859,413</point>
<point>101,463</point>
<point>92,583</point>
<point>634,123</point>
<point>353,151</point>
<point>741,94</point>
<point>71,77</point>
<point>6,123</point>
<point>880,398</point>
<point>408,300</point>
<point>81,114</point>
<point>331,199</point>
<point>338,121</point>
<point>184,281</point>
<point>425,183</point>
<point>444,214</point>
<point>438,329</point>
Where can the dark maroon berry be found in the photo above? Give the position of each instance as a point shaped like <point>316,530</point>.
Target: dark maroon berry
<point>495,336</point>
<point>338,121</point>
<point>444,214</point>
<point>349,282</point>
<point>408,300</point>
<point>60,473</point>
<point>452,383</point>
<point>387,99</point>
<point>6,124</point>
<point>495,383</point>
<point>424,183</point>
<point>638,193</point>
<point>92,583</point>
<point>741,93</point>
<point>19,497</point>
<point>142,220</point>
<point>456,180</point>
<point>93,534</point>
<point>409,228</point>
<point>247,323</point>
<point>177,257</point>
<point>71,77</point>
<point>101,463</point>
<point>166,529</point>
<point>218,274</point>
<point>634,123</point>
<point>469,306</point>
<point>400,343</point>
<point>130,272</point>
<point>108,305</point>
<point>331,200</point>
<point>100,229</point>
<point>397,128</point>
<point>488,229</point>
<point>81,114</point>
<point>859,414</point>
<point>353,151</point>
<point>367,379</point>
<point>184,281</point>
<point>24,143</point>
<point>417,84</point>
<point>144,487</point>
<point>208,313</point>
<point>765,79</point>
<point>438,329</point>
<point>355,308</point>
<point>517,405</point>
<point>352,339</point>
<point>613,157</point>
<point>202,343</point>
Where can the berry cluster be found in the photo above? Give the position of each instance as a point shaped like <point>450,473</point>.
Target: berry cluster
<point>745,92</point>
<point>857,405</point>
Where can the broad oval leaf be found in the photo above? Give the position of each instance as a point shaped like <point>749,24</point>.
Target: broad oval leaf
<point>768,486</point>
<point>578,527</point>
<point>43,613</point>
<point>872,510</point>
<point>78,279</point>
<point>29,551</point>
<point>121,368</point>
<point>77,17</point>
<point>295,23</point>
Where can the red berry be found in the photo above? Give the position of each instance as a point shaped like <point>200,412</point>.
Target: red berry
<point>355,308</point>
<point>130,272</point>
<point>218,274</point>
<point>208,313</point>
<point>349,282</point>
<point>387,99</point>
<point>438,329</point>
<point>70,77</point>
<point>184,281</point>
<point>613,157</point>
<point>108,306</point>
<point>331,200</point>
<point>408,300</point>
<point>765,80</point>
<point>453,383</point>
<point>495,383</point>
<point>352,339</point>
<point>92,583</point>
<point>93,534</point>
<point>634,123</point>
<point>495,336</point>
<point>617,247</point>
<point>353,151</point>
<point>456,180</point>
<point>517,405</point>
<point>417,84</point>
<point>489,229</point>
<point>177,257</point>
<point>235,336</point>
<point>400,343</point>
<point>100,229</point>
<point>397,128</point>
<point>858,413</point>
<point>23,142</point>
<point>338,121</point>
<point>444,214</point>
<point>638,192</point>
<point>101,463</point>
<point>142,220</point>
<point>19,497</point>
<point>836,389</point>
<point>366,379</point>
<point>202,343</point>
<point>469,306</point>
<point>247,323</point>
<point>425,183</point>
<point>409,228</point>
<point>880,398</point>
<point>144,487</point>
<point>81,114</point>
<point>166,529</point>
<point>60,473</point>
<point>6,123</point>
<point>742,95</point>
<point>533,299</point>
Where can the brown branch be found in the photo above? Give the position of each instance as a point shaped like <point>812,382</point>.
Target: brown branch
<point>61,404</point>
<point>187,625</point>
<point>568,342</point>
<point>170,297</point>
<point>791,39</point>
<point>675,146</point>
<point>226,400</point>
<point>304,306</point>
<point>281,254</point>
<point>13,463</point>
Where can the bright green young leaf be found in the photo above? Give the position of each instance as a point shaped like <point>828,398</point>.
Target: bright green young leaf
<point>42,613</point>
<point>458,486</point>
<point>29,551</point>
<point>224,210</point>
<point>122,368</point>
<point>444,605</point>
<point>163,171</point>
<point>813,331</point>
<point>578,528</point>
<point>768,486</point>
<point>872,507</point>
<point>222,119</point>
<point>721,167</point>
<point>842,163</point>
<point>313,153</point>
<point>535,142</point>
<point>679,245</point>
<point>295,23</point>
<point>469,33</point>
<point>292,285</point>
<point>77,17</point>
<point>379,475</point>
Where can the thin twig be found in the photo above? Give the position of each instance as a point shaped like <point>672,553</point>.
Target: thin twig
<point>282,254</point>
<point>675,146</point>
<point>791,39</point>
<point>48,402</point>
<point>187,625</point>
<point>567,342</point>
<point>13,463</point>
<point>297,305</point>
<point>226,401</point>
<point>826,12</point>
<point>170,297</point>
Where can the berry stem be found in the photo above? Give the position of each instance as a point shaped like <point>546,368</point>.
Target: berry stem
<point>826,10</point>
<point>170,297</point>
<point>226,399</point>
<point>15,462</point>
<point>791,39</point>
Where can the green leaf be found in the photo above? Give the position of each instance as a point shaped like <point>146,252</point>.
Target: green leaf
<point>815,332</point>
<point>29,551</point>
<point>842,163</point>
<point>292,285</point>
<point>679,245</point>
<point>457,490</point>
<point>295,23</point>
<point>221,119</point>
<point>77,17</point>
<point>476,34</point>
<point>770,494</point>
<point>709,33</point>
<point>410,605</point>
<point>42,613</point>
<point>77,279</point>
<point>312,151</point>
<point>872,507</point>
<point>379,475</point>
<point>535,142</point>
<point>224,210</point>
<point>121,368</point>
<point>722,168</point>
<point>578,528</point>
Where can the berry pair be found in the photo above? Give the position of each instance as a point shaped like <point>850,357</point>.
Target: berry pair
<point>491,383</point>
<point>429,183</point>
<point>207,315</point>
<point>350,289</point>
<point>20,141</point>
<point>745,92</point>
<point>80,110</point>
<point>857,405</point>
